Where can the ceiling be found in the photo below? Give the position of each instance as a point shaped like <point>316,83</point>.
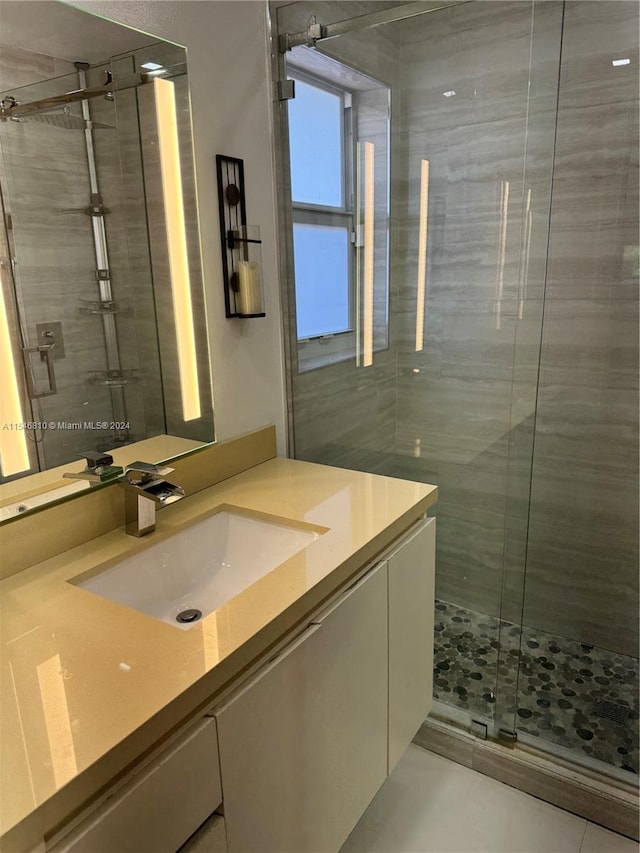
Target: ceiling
<point>64,32</point>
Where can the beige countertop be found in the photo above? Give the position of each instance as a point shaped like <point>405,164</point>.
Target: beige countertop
<point>89,685</point>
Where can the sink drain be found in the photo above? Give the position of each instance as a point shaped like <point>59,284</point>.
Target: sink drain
<point>191,615</point>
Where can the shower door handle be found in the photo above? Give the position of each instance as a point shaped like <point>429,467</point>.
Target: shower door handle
<point>45,355</point>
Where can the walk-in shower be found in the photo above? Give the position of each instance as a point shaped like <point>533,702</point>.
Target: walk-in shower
<point>482,331</point>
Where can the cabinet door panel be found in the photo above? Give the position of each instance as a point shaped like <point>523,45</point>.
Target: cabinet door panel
<point>411,603</point>
<point>303,748</point>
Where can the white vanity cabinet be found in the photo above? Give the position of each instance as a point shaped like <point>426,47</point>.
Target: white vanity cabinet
<point>159,806</point>
<point>294,755</point>
<point>303,747</point>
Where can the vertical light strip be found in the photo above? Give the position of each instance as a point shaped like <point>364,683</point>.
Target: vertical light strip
<point>502,248</point>
<point>527,249</point>
<point>422,254</point>
<point>367,320</point>
<point>177,246</point>
<point>14,455</point>
<point>56,717</point>
<point>358,254</point>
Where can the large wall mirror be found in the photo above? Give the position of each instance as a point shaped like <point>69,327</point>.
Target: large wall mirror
<point>103,340</point>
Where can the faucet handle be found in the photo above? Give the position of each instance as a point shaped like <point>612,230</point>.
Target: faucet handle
<point>99,468</point>
<point>145,486</point>
<point>147,469</point>
<point>97,460</point>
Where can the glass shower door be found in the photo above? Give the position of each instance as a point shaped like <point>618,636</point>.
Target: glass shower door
<point>578,686</point>
<point>450,400</point>
<point>510,374</point>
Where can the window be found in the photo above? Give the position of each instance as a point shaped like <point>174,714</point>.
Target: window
<point>317,146</point>
<point>339,152</point>
<point>319,142</point>
<point>321,259</point>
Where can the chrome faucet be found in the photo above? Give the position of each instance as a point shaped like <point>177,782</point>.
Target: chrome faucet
<point>146,489</point>
<point>99,468</point>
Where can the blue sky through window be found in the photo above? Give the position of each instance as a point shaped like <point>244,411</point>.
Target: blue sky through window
<point>315,140</point>
<point>320,254</point>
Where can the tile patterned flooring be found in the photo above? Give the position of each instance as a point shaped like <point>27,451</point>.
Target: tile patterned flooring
<point>578,696</point>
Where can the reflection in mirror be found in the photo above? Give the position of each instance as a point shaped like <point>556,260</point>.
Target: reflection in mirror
<point>103,342</point>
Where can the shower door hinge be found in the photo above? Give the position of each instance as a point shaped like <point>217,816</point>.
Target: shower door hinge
<point>283,43</point>
<point>507,737</point>
<point>314,32</point>
<point>478,729</point>
<point>286,90</point>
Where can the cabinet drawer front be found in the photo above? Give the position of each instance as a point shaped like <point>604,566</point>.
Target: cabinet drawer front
<point>160,807</point>
<point>303,747</point>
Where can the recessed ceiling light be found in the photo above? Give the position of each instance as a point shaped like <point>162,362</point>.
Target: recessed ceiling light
<point>621,62</point>
<point>449,94</point>
<point>151,66</point>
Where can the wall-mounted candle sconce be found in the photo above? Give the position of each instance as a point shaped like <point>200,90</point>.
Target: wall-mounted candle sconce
<point>241,244</point>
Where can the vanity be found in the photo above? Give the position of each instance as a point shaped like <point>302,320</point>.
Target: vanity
<point>269,723</point>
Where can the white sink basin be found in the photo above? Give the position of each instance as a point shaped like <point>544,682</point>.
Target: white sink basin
<point>200,568</point>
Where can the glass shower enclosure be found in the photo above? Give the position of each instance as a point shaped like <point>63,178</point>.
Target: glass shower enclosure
<point>461,309</point>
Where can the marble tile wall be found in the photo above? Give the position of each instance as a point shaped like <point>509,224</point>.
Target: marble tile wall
<point>457,409</point>
<point>346,416</point>
<point>465,405</point>
<point>583,539</point>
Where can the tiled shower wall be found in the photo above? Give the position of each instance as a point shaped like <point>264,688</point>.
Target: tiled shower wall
<point>466,109</point>
<point>465,406</point>
<point>582,568</point>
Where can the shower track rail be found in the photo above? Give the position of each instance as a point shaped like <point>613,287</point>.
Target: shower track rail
<point>11,109</point>
<point>319,32</point>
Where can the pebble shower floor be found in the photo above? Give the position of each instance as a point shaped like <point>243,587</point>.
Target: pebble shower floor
<point>572,694</point>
